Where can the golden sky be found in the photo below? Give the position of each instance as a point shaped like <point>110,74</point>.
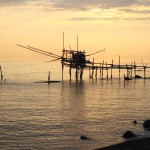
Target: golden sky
<point>122,27</point>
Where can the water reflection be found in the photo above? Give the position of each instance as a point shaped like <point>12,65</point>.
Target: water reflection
<point>57,114</point>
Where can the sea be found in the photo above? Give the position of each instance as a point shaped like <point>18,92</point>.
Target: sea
<point>39,116</point>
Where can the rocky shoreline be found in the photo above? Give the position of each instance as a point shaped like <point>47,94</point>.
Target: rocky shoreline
<point>136,144</point>
<point>133,144</point>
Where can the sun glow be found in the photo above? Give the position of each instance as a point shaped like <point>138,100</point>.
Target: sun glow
<point>123,29</point>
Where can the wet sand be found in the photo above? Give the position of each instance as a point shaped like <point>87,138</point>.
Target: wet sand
<point>137,144</point>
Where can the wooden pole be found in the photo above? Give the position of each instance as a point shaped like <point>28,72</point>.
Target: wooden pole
<point>111,68</point>
<point>49,78</point>
<point>119,67</point>
<point>144,72</point>
<point>70,71</point>
<point>93,68</point>
<point>127,70</point>
<point>81,73</point>
<point>107,70</point>
<point>63,58</point>
<point>1,73</point>
<point>124,80</point>
<point>63,41</point>
<point>131,71</point>
<point>89,72</point>
<point>66,55</point>
<point>134,68</point>
<point>77,42</point>
<point>76,74</point>
<point>96,73</point>
<point>62,70</point>
<point>100,69</point>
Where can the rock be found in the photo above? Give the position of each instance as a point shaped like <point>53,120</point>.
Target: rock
<point>146,124</point>
<point>129,134</point>
<point>83,137</point>
<point>137,76</point>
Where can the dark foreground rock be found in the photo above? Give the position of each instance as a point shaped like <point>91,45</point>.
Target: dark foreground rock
<point>137,144</point>
<point>129,134</point>
<point>83,137</point>
<point>146,124</point>
<point>135,122</point>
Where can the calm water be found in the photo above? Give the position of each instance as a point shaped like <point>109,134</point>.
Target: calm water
<point>54,116</point>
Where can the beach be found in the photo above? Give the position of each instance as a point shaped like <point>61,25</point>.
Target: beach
<point>137,144</point>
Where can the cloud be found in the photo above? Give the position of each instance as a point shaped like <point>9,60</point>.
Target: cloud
<point>109,19</point>
<point>12,2</point>
<point>135,11</point>
<point>105,4</point>
<point>144,2</point>
<point>137,19</point>
<point>5,3</point>
<point>107,9</point>
<point>87,4</point>
<point>79,4</point>
<point>94,18</point>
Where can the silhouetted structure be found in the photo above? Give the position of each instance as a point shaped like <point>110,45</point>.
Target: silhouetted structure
<point>75,59</point>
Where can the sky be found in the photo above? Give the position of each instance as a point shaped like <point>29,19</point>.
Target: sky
<point>122,27</point>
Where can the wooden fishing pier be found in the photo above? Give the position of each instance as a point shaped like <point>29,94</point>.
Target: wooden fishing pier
<point>130,69</point>
<point>77,59</point>
<point>80,64</point>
